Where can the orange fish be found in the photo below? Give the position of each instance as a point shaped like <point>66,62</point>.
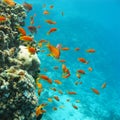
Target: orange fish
<point>39,91</point>
<point>90,50</point>
<point>44,77</point>
<point>40,44</point>
<point>54,108</point>
<point>39,110</point>
<point>56,67</point>
<point>78,75</point>
<point>61,106</point>
<point>46,12</point>
<point>51,6</point>
<point>77,49</point>
<point>65,48</point>
<point>74,106</point>
<point>58,82</point>
<point>90,69</point>
<point>62,13</point>
<point>71,92</point>
<point>104,85</point>
<point>66,76</point>
<point>32,50</point>
<point>39,85</point>
<point>68,100</point>
<point>83,60</point>
<point>55,52</point>
<point>22,73</point>
<point>54,89</point>
<point>31,20</point>
<point>44,5</point>
<point>77,101</point>
<point>81,71</point>
<point>49,55</point>
<point>44,104</point>
<point>64,67</point>
<point>60,91</point>
<point>80,82</point>
<point>95,91</point>
<point>26,38</point>
<point>32,29</point>
<point>22,31</point>
<point>62,61</point>
<point>51,30</point>
<point>50,99</point>
<point>10,2</point>
<point>50,22</point>
<point>56,98</point>
<point>66,72</point>
<point>2,18</point>
<point>49,81</point>
<point>38,26</point>
<point>27,6</point>
<point>42,41</point>
<point>76,82</point>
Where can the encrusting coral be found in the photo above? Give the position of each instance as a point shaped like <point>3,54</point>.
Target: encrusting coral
<point>18,100</point>
<point>17,97</point>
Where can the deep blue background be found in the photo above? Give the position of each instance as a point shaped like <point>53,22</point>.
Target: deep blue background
<point>85,24</point>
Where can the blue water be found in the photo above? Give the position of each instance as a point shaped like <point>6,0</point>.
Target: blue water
<point>85,24</point>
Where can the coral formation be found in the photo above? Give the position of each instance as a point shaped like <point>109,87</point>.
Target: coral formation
<point>18,69</point>
<point>17,97</point>
<point>29,61</point>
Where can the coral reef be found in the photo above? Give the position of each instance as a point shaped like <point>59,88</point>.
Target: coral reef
<point>29,61</point>
<point>18,69</point>
<point>17,97</point>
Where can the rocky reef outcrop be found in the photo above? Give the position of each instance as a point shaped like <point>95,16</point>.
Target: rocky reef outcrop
<point>18,69</point>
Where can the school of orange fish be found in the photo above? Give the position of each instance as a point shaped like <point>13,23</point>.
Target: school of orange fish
<point>55,52</point>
